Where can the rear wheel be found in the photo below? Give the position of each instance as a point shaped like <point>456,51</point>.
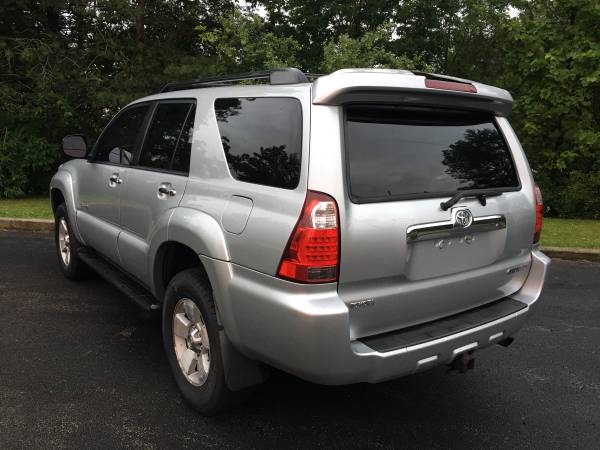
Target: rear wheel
<point>191,339</point>
<point>66,246</point>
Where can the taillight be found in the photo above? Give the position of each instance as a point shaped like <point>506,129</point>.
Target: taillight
<point>312,253</point>
<point>539,214</point>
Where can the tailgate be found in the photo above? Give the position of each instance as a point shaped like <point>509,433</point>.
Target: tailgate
<point>405,259</point>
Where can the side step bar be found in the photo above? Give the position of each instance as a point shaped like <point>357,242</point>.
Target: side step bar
<point>131,288</point>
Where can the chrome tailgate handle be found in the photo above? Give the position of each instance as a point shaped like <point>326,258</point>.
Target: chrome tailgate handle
<point>447,229</point>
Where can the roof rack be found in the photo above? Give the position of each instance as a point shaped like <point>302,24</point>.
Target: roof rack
<point>288,75</point>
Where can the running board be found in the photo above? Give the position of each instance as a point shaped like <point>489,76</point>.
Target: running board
<point>131,288</point>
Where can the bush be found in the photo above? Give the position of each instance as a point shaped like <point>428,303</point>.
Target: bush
<point>578,197</point>
<point>26,163</point>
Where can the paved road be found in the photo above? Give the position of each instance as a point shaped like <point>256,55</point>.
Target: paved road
<point>80,368</point>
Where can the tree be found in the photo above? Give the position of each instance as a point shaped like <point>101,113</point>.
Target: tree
<point>69,65</point>
<point>312,23</point>
<point>553,68</point>
<point>242,42</point>
<point>458,37</point>
<point>368,50</point>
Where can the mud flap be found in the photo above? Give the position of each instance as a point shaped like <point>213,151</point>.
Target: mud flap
<point>240,372</point>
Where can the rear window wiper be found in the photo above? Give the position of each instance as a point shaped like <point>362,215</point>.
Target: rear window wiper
<point>481,196</point>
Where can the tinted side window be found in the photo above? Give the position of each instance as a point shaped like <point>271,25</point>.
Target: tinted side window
<point>262,139</point>
<point>164,133</point>
<point>117,143</point>
<point>181,158</point>
<point>396,151</point>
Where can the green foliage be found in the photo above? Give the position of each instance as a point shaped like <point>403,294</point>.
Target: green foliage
<point>577,194</point>
<point>554,61</point>
<point>242,42</point>
<point>313,23</point>
<point>458,37</point>
<point>68,66</point>
<point>25,161</point>
<point>367,50</point>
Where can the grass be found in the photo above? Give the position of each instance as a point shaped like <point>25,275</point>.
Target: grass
<point>26,208</point>
<point>556,233</point>
<point>571,233</point>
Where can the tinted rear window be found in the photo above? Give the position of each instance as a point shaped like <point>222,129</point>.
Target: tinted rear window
<point>165,136</point>
<point>262,139</point>
<point>396,152</point>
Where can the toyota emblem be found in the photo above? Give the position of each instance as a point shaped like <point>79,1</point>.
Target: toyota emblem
<point>463,218</point>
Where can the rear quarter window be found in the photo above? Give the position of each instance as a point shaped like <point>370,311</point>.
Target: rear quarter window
<point>396,152</point>
<point>262,139</point>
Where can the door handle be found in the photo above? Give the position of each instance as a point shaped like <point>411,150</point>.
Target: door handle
<point>114,179</point>
<point>166,189</point>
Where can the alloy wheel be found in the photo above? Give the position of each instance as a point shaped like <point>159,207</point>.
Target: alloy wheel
<point>64,241</point>
<point>192,345</point>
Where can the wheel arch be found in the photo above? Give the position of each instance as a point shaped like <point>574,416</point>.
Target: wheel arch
<point>189,233</point>
<point>61,191</point>
<point>171,258</point>
<point>56,198</point>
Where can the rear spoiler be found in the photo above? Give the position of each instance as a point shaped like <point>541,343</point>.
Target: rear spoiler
<point>415,88</point>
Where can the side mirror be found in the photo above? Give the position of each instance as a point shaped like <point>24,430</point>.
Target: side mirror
<point>74,146</point>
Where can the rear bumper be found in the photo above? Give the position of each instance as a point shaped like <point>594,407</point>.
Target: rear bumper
<point>305,330</point>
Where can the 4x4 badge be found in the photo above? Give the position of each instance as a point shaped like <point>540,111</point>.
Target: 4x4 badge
<point>463,218</point>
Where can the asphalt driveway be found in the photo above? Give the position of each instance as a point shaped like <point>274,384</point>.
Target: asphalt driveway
<point>79,367</point>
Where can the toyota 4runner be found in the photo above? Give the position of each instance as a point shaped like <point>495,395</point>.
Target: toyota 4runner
<point>360,227</point>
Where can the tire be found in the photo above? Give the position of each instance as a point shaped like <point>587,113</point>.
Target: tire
<point>67,245</point>
<point>202,384</point>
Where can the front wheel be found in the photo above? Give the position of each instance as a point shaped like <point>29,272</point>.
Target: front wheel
<point>66,246</point>
<point>191,339</point>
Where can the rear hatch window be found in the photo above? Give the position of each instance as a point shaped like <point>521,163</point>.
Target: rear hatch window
<point>400,152</point>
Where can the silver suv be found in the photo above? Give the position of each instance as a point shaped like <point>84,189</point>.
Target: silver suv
<point>367,225</point>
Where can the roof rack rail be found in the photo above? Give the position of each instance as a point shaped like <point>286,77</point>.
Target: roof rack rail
<point>288,75</point>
